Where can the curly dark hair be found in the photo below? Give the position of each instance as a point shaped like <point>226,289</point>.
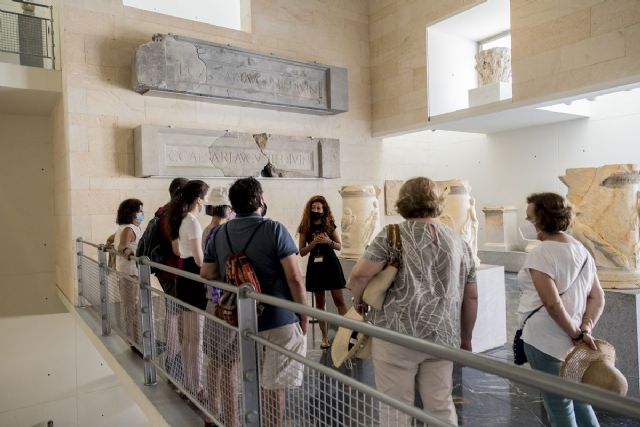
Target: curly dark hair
<point>420,198</point>
<point>245,195</point>
<point>553,212</point>
<point>182,200</point>
<point>127,211</point>
<point>328,222</point>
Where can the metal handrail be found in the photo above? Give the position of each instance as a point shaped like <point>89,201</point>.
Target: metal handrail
<point>537,379</point>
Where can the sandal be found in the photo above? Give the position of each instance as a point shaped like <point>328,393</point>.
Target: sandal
<point>325,344</point>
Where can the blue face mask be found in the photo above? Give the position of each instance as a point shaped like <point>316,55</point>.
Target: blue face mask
<point>140,216</point>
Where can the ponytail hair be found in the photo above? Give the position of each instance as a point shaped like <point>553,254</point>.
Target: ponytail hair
<point>181,201</point>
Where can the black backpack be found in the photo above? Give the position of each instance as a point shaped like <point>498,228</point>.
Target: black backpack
<point>150,242</point>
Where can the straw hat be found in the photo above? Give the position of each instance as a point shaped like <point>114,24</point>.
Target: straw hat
<point>219,196</point>
<point>594,367</point>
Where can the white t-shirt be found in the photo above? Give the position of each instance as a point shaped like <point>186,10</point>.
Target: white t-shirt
<point>562,262</point>
<point>123,265</point>
<point>189,229</point>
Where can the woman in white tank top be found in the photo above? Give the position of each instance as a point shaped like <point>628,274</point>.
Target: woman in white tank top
<point>559,281</point>
<point>125,242</point>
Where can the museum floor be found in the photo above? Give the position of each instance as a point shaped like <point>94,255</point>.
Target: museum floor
<point>483,399</point>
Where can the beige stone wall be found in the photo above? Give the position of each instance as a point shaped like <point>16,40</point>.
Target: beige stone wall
<point>99,39</point>
<point>559,47</point>
<point>563,46</point>
<point>26,253</point>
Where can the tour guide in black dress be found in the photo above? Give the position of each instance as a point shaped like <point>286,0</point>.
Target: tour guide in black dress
<point>319,237</point>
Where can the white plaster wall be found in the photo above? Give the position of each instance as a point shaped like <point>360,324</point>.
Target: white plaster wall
<point>504,168</point>
<point>451,71</point>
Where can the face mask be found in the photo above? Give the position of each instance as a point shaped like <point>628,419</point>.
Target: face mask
<point>264,208</point>
<point>528,231</point>
<point>139,216</point>
<point>315,216</point>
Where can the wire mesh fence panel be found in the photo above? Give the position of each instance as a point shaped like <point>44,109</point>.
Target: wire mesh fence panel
<point>90,273</point>
<point>201,355</point>
<point>304,396</point>
<point>123,301</point>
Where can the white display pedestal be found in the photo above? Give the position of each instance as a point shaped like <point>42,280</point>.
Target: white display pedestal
<point>490,93</point>
<point>620,325</point>
<point>491,325</point>
<point>512,261</point>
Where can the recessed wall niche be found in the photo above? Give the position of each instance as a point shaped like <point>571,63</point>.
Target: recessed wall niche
<point>456,80</point>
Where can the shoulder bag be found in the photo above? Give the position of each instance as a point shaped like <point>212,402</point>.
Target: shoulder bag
<point>377,287</point>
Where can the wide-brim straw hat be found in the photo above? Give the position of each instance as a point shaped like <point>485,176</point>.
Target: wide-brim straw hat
<point>594,367</point>
<point>349,343</point>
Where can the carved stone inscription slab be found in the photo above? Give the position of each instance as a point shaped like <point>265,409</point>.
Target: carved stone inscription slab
<point>162,151</point>
<point>391,192</point>
<point>188,67</point>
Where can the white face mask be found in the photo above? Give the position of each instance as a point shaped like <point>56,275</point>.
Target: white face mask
<point>528,230</point>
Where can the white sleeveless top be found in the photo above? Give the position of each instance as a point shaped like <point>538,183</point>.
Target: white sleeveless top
<point>124,265</point>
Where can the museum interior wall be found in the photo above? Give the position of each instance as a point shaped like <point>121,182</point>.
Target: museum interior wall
<point>503,168</point>
<point>102,110</point>
<point>558,48</point>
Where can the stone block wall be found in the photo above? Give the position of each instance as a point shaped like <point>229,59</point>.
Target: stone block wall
<point>101,109</point>
<point>558,47</point>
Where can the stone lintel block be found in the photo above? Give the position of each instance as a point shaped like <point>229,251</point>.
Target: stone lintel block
<point>184,67</point>
<point>163,151</point>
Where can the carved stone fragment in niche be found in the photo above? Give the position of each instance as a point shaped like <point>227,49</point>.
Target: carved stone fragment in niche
<point>360,218</point>
<point>607,220</point>
<point>493,65</point>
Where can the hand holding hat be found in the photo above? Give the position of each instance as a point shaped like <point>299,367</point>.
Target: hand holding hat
<point>594,367</point>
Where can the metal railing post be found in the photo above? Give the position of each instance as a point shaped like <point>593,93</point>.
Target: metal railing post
<point>104,294</point>
<point>248,323</point>
<point>146,311</point>
<point>82,299</point>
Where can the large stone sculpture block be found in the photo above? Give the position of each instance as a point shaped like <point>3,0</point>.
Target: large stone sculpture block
<point>178,66</point>
<point>163,151</point>
<point>607,221</point>
<point>360,218</point>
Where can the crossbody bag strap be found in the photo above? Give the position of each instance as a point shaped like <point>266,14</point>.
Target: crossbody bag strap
<point>574,281</point>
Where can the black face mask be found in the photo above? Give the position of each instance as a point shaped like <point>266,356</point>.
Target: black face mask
<point>264,208</point>
<point>315,216</point>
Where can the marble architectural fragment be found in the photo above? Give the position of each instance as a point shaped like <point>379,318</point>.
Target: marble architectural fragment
<point>391,191</point>
<point>164,151</point>
<point>459,212</point>
<point>493,65</point>
<point>178,66</point>
<point>501,228</point>
<point>360,218</point>
<point>607,220</point>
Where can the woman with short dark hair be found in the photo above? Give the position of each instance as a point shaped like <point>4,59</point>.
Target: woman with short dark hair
<point>561,299</point>
<point>125,241</point>
<point>433,297</point>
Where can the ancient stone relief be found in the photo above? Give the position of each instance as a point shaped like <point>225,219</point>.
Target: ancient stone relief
<point>229,74</point>
<point>607,220</point>
<point>360,218</point>
<point>391,191</point>
<point>493,65</point>
<point>501,228</point>
<point>163,151</point>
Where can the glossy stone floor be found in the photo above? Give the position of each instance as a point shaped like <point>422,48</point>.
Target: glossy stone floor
<point>482,399</point>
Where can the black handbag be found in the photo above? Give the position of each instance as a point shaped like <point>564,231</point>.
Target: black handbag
<point>519,358</point>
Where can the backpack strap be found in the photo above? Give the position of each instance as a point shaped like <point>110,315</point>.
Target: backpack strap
<point>253,233</point>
